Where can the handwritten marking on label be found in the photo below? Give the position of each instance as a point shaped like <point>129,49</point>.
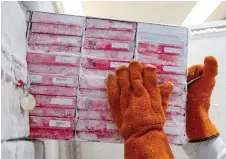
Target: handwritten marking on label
<point>59,123</point>
<point>65,59</point>
<point>118,64</point>
<point>61,80</point>
<point>35,78</point>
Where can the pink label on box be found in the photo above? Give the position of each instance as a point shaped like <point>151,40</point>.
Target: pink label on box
<point>59,29</point>
<point>92,82</point>
<point>176,139</point>
<point>95,72</point>
<point>93,115</point>
<point>52,112</point>
<point>50,134</point>
<point>53,80</point>
<point>148,48</point>
<point>98,136</point>
<point>103,64</point>
<point>178,90</point>
<point>110,25</point>
<point>176,79</point>
<point>55,101</point>
<point>163,30</point>
<point>92,93</point>
<point>174,129</point>
<point>106,54</point>
<point>95,125</point>
<point>178,100</point>
<point>92,103</point>
<point>51,123</point>
<point>167,69</point>
<point>50,39</point>
<point>53,90</point>
<point>174,119</point>
<point>58,19</point>
<point>175,110</point>
<point>102,44</point>
<point>92,100</point>
<point>110,34</point>
<point>42,48</point>
<point>53,69</point>
<point>53,59</point>
<point>161,59</point>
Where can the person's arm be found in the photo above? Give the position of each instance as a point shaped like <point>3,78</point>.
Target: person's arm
<point>211,149</point>
<point>138,106</point>
<point>205,142</point>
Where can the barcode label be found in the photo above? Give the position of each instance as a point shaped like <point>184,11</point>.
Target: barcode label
<point>122,25</point>
<point>61,101</point>
<point>117,64</point>
<point>60,80</point>
<point>172,50</point>
<point>65,59</point>
<point>35,78</point>
<point>120,45</point>
<point>111,126</point>
<point>58,123</point>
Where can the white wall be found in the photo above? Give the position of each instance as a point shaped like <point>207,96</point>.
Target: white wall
<point>13,47</point>
<point>14,120</point>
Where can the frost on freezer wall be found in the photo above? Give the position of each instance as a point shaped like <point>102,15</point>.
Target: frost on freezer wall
<point>14,30</point>
<point>13,51</point>
<point>18,150</point>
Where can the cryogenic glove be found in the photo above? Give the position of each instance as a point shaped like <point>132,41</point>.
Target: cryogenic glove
<point>138,106</point>
<point>199,127</point>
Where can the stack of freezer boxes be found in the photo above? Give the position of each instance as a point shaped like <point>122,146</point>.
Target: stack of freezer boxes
<point>71,56</point>
<point>162,46</point>
<point>104,50</point>
<point>166,48</point>
<point>53,56</point>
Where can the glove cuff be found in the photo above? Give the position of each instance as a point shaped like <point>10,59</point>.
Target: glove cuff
<point>201,128</point>
<point>205,139</point>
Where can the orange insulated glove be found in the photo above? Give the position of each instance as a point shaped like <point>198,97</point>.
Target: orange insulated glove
<point>198,124</point>
<point>138,106</point>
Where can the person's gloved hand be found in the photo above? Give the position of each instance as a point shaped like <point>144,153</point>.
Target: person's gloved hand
<point>138,106</point>
<point>198,124</point>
